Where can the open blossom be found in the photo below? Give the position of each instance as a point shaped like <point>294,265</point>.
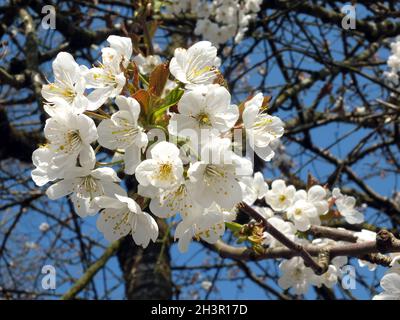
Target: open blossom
<point>164,169</point>
<point>390,284</point>
<point>261,128</point>
<point>45,169</point>
<point>147,64</point>
<point>295,275</point>
<point>196,65</point>
<point>85,184</point>
<point>166,203</point>
<point>301,213</point>
<point>108,80</point>
<point>207,224</point>
<point>204,107</point>
<point>307,207</point>
<point>253,188</point>
<point>69,84</point>
<point>122,215</point>
<point>215,175</point>
<point>69,137</point>
<point>280,197</point>
<point>345,205</point>
<point>122,131</point>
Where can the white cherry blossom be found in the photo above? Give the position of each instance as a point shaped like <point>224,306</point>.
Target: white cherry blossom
<point>295,275</point>
<point>261,128</point>
<point>85,184</point>
<point>69,84</point>
<point>307,207</point>
<point>204,107</point>
<point>301,213</point>
<point>207,224</point>
<point>166,203</point>
<point>108,79</point>
<point>215,176</point>
<point>122,215</point>
<point>147,64</point>
<point>123,131</point>
<point>253,188</point>
<point>69,136</point>
<point>196,65</point>
<point>45,170</point>
<point>346,207</point>
<point>280,197</point>
<point>164,169</point>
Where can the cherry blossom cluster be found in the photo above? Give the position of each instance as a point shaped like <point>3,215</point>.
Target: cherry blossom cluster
<point>293,212</point>
<point>102,110</point>
<point>170,127</point>
<point>392,76</point>
<point>218,20</point>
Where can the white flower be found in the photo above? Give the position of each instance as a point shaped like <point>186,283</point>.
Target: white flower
<point>167,203</point>
<point>366,236</point>
<point>44,226</point>
<point>121,216</point>
<point>208,224</point>
<point>307,207</point>
<point>123,47</point>
<point>164,169</point>
<point>147,64</point>
<point>108,79</point>
<point>68,85</point>
<point>316,195</point>
<point>261,128</point>
<point>301,213</point>
<point>253,188</point>
<point>122,131</point>
<point>195,65</point>
<point>206,285</point>
<point>390,284</point>
<point>295,275</point>
<point>46,170</point>
<point>85,184</point>
<point>285,227</point>
<point>204,107</point>
<point>345,205</point>
<point>69,136</point>
<point>280,197</point>
<point>215,176</point>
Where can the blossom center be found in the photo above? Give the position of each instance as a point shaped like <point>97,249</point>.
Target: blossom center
<point>298,212</point>
<point>165,171</point>
<point>73,141</point>
<point>204,119</point>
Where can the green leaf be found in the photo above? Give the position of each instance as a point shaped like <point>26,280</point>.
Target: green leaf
<point>170,100</point>
<point>233,226</point>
